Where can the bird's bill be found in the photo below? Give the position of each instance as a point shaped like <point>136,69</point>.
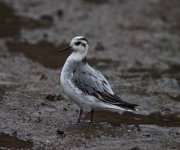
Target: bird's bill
<point>67,48</point>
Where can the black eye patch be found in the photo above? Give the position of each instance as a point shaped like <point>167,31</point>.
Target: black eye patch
<point>83,44</point>
<point>77,43</point>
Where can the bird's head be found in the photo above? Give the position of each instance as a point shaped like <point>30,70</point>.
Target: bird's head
<point>79,45</point>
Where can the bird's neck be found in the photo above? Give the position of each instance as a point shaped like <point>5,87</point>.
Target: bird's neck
<point>73,61</point>
<point>77,57</point>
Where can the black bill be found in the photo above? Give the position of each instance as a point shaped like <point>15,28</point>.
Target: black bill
<point>67,48</point>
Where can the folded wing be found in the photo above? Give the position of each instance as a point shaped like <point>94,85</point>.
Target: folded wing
<point>92,82</point>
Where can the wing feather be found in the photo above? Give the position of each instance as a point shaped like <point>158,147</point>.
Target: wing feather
<point>92,82</point>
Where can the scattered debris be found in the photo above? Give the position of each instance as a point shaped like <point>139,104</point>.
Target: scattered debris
<point>60,13</point>
<point>135,148</point>
<point>65,109</point>
<point>52,97</point>
<point>46,19</point>
<point>43,77</point>
<point>60,133</point>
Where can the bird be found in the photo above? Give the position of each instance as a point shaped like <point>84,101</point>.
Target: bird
<point>84,85</point>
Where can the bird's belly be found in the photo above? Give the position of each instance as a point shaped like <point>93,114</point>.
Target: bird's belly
<point>85,102</point>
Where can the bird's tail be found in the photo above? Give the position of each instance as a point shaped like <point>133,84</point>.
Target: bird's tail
<point>128,106</point>
<point>116,101</point>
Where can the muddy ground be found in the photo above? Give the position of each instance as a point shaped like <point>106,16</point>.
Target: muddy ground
<point>135,44</point>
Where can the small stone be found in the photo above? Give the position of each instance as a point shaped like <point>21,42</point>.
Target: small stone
<point>53,97</point>
<point>147,135</point>
<point>50,97</point>
<point>43,104</point>
<point>46,18</point>
<point>14,133</point>
<point>45,35</point>
<point>28,134</point>
<point>60,132</point>
<point>135,148</point>
<point>138,128</point>
<point>65,109</point>
<point>59,97</point>
<point>60,13</point>
<point>43,77</point>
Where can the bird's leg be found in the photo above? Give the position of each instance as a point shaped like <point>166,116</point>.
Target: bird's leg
<point>80,113</point>
<point>92,112</point>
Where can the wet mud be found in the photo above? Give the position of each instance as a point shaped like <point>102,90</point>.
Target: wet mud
<point>12,142</point>
<point>47,54</point>
<point>11,23</point>
<point>43,52</point>
<point>134,44</point>
<point>155,118</point>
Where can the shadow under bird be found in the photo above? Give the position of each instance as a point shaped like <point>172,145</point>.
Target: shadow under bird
<point>87,87</point>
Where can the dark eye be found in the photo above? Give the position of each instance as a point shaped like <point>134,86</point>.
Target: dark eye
<point>77,43</point>
<point>83,44</point>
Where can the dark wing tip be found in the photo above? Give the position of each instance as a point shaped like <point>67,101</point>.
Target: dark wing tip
<point>115,100</point>
<point>129,106</point>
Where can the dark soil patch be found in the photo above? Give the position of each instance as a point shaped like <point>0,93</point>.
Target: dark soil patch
<point>11,23</point>
<point>155,118</point>
<point>11,142</point>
